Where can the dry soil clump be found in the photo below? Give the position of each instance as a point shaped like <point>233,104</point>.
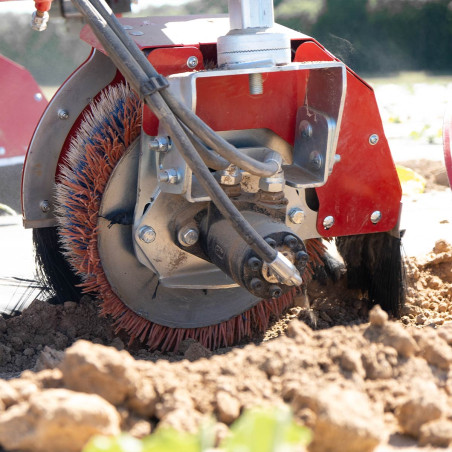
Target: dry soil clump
<point>360,381</point>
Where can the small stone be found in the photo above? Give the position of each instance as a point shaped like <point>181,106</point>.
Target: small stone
<point>197,351</point>
<point>421,319</point>
<point>117,343</point>
<point>436,433</point>
<point>228,407</point>
<point>394,335</point>
<point>350,360</point>
<point>417,411</point>
<point>49,358</point>
<point>29,352</point>
<point>377,316</point>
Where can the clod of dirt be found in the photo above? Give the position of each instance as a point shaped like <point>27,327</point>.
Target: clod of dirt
<point>419,409</point>
<point>355,384</point>
<point>436,433</point>
<point>56,420</point>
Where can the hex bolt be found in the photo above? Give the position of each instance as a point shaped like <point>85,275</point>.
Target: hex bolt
<point>271,242</point>
<point>291,241</point>
<point>63,114</point>
<point>328,222</point>
<point>375,217</point>
<point>45,206</point>
<point>256,284</point>
<point>296,215</point>
<point>160,144</point>
<point>188,236</point>
<point>171,176</point>
<point>256,84</point>
<point>39,20</point>
<point>192,62</point>
<point>254,263</point>
<point>373,139</point>
<point>275,291</point>
<point>146,234</point>
<point>301,257</point>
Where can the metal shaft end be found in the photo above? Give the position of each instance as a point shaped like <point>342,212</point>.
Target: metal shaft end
<point>286,271</point>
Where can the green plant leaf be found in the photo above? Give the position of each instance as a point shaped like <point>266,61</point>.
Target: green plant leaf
<point>170,440</point>
<point>266,430</point>
<point>121,443</point>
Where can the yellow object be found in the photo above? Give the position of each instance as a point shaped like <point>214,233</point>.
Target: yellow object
<point>412,182</point>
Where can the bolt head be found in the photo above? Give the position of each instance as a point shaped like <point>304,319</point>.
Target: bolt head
<point>146,234</point>
<point>373,139</point>
<point>305,129</point>
<point>45,206</point>
<point>291,241</point>
<point>375,217</point>
<point>39,20</point>
<point>301,257</point>
<point>188,236</point>
<point>229,176</point>
<point>273,184</point>
<point>296,215</point>
<point>328,222</point>
<point>170,176</point>
<point>315,160</point>
<point>254,263</point>
<point>275,291</point>
<point>63,114</point>
<point>192,62</point>
<point>271,242</point>
<point>160,144</point>
<point>256,284</point>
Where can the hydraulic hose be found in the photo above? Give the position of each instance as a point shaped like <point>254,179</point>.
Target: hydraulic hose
<point>193,122</point>
<point>135,75</point>
<point>122,56</point>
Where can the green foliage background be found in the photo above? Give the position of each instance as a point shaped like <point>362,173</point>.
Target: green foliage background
<point>371,36</point>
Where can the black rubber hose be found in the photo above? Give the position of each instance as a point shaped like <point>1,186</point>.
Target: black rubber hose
<point>193,122</point>
<point>135,75</point>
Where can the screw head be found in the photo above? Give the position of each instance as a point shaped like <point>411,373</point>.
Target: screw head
<point>328,222</point>
<point>63,114</point>
<point>316,160</point>
<point>160,144</point>
<point>301,257</point>
<point>375,217</point>
<point>188,236</point>
<point>296,215</point>
<point>373,139</point>
<point>256,284</point>
<point>291,241</point>
<point>45,206</point>
<point>305,129</point>
<point>275,291</point>
<point>254,263</point>
<point>192,62</point>
<point>37,97</point>
<point>146,234</point>
<point>271,242</point>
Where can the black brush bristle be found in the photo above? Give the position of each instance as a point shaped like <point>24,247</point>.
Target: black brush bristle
<point>375,266</point>
<point>52,269</point>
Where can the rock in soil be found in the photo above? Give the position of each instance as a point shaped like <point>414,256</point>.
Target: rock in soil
<point>359,385</point>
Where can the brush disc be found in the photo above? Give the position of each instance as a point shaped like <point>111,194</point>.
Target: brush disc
<point>104,136</point>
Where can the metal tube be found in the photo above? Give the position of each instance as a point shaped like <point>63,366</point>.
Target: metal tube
<point>199,127</point>
<point>134,75</point>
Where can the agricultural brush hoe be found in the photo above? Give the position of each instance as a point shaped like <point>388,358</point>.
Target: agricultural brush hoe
<point>189,172</point>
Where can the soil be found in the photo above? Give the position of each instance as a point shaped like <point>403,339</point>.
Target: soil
<point>359,380</point>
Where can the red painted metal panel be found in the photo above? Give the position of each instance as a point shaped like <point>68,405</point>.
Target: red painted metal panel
<point>167,61</point>
<point>447,137</point>
<point>22,104</point>
<point>365,180</point>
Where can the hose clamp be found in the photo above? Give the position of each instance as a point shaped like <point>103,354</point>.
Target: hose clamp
<point>153,84</point>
